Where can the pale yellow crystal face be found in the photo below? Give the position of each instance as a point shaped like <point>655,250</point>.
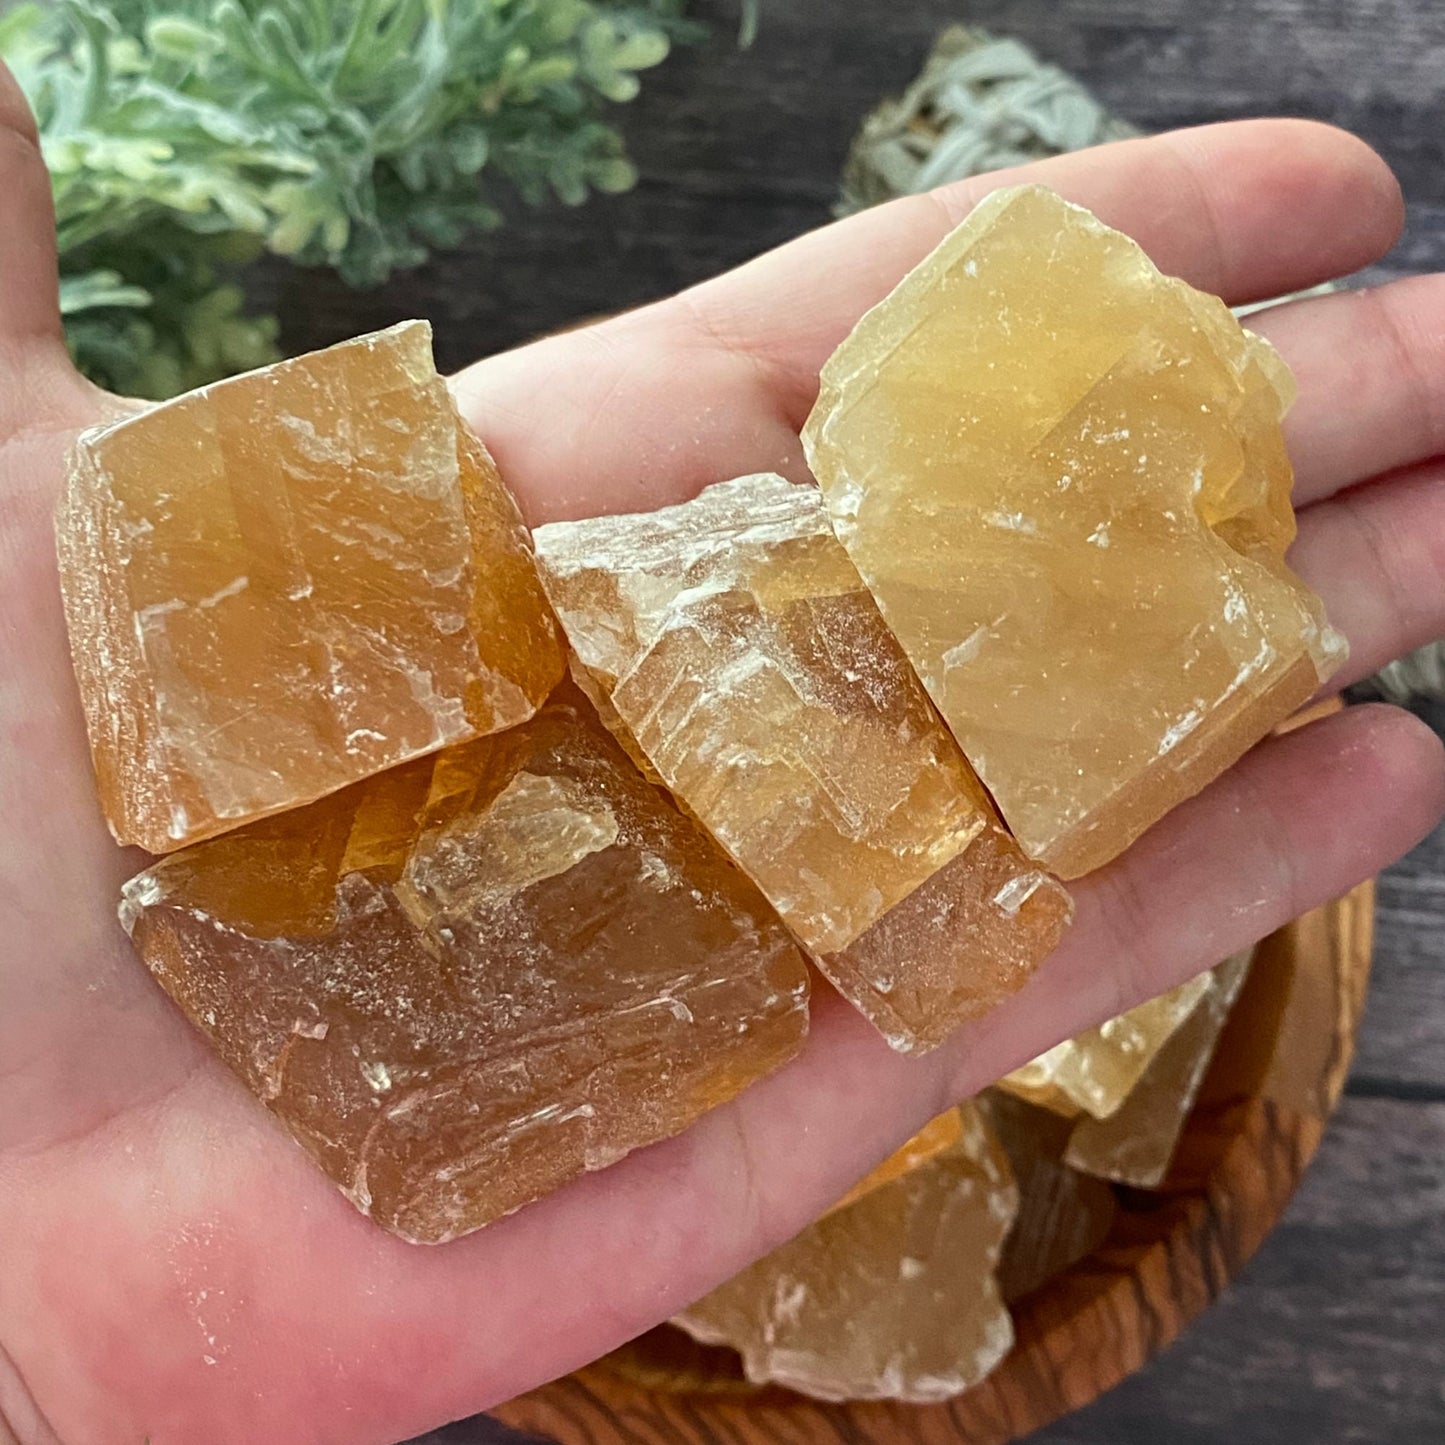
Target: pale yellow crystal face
<point>1136,1143</point>
<point>1094,1072</point>
<point>734,647</point>
<point>891,1298</point>
<point>290,580</point>
<point>465,981</point>
<point>1063,477</point>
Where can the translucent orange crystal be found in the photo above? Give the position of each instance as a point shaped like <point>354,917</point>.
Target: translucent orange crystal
<point>1063,477</point>
<point>467,980</point>
<point>734,647</point>
<point>290,580</point>
<point>930,1141</point>
<point>891,1298</point>
<point>1136,1143</point>
<point>1094,1072</point>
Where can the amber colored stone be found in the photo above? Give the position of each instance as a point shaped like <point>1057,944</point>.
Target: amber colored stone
<point>1094,1072</point>
<point>1063,1215</point>
<point>930,1141</point>
<point>733,646</point>
<point>1063,476</point>
<point>891,1298</point>
<point>288,581</point>
<point>465,981</point>
<point>1136,1143</point>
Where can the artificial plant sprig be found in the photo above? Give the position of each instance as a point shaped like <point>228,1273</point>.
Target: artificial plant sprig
<point>184,136</point>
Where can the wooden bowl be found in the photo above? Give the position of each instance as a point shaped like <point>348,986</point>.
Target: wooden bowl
<point>1274,1081</point>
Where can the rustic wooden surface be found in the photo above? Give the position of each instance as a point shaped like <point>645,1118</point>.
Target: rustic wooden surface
<point>1336,1331</point>
<point>1260,1115</point>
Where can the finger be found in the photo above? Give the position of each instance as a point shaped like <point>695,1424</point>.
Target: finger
<point>1376,555</point>
<point>1298,822</point>
<point>29,290</point>
<point>1243,210</point>
<point>716,382</point>
<point>403,1338</point>
<point>1371,372</point>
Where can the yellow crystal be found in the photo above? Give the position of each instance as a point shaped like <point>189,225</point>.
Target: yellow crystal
<point>733,645</point>
<point>890,1298</point>
<point>1062,475</point>
<point>467,980</point>
<point>1136,1143</point>
<point>1094,1072</point>
<point>291,580</point>
<point>930,1141</point>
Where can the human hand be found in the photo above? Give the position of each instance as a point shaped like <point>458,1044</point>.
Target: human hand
<point>172,1267</point>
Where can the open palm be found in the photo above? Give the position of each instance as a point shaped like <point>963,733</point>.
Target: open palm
<point>172,1267</point>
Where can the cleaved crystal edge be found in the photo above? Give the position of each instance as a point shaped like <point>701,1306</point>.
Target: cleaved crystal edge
<point>1135,1144</point>
<point>1063,476</point>
<point>289,580</point>
<point>732,646</point>
<point>467,980</point>
<point>1095,1071</point>
<point>891,1298</point>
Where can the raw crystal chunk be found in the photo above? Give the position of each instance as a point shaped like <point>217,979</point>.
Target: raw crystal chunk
<point>890,1298</point>
<point>290,580</point>
<point>1135,1144</point>
<point>930,1141</point>
<point>734,647</point>
<point>1094,1072</point>
<point>463,982</point>
<point>1063,1215</point>
<point>1062,475</point>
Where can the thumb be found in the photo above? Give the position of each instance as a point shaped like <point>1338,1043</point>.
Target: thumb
<point>29,285</point>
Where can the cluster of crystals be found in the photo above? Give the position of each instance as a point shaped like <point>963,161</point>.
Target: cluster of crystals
<point>734,647</point>
<point>866,1304</point>
<point>901,1290</point>
<point>460,945</point>
<point>1063,477</point>
<point>464,981</point>
<point>470,932</point>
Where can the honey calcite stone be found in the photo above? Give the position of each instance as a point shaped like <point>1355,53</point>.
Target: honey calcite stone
<point>1135,1144</point>
<point>288,581</point>
<point>733,646</point>
<point>1063,476</point>
<point>465,981</point>
<point>892,1298</point>
<point>930,1141</point>
<point>1094,1072</point>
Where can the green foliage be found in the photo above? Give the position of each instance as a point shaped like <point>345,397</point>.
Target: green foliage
<point>185,136</point>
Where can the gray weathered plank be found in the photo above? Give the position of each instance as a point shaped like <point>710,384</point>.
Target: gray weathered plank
<point>740,151</point>
<point>1402,1043</point>
<point>1335,1331</point>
